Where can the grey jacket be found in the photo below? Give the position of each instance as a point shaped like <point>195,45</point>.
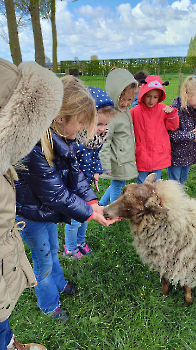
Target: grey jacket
<point>118,153</point>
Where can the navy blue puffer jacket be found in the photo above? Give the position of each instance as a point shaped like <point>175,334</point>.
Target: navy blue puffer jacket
<point>53,194</point>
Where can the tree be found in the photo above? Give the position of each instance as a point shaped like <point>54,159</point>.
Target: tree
<point>191,54</point>
<point>13,32</point>
<point>37,32</point>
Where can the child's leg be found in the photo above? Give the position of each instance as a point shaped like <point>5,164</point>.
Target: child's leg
<point>82,233</point>
<point>37,235</point>
<point>5,334</point>
<point>71,233</point>
<point>116,187</point>
<point>158,172</point>
<point>174,172</point>
<point>105,198</point>
<point>184,174</point>
<point>142,177</point>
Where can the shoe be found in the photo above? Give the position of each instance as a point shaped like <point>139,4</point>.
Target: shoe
<point>84,249</point>
<point>32,346</point>
<point>74,254</point>
<point>59,314</point>
<point>69,289</point>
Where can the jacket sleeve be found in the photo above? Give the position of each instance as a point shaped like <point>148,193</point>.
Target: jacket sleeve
<point>180,135</point>
<point>48,185</point>
<point>172,119</point>
<point>105,153</point>
<point>98,165</point>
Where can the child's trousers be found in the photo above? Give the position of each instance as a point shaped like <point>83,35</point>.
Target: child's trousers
<point>178,173</point>
<point>143,175</point>
<point>75,234</point>
<point>5,334</point>
<point>42,240</point>
<point>113,192</point>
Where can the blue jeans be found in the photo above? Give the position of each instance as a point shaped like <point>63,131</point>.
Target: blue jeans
<point>143,175</point>
<point>75,234</point>
<point>113,192</point>
<point>42,239</point>
<point>178,173</point>
<point>5,334</point>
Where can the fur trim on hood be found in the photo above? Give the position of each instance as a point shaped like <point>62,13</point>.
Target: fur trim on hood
<point>152,82</point>
<point>30,98</point>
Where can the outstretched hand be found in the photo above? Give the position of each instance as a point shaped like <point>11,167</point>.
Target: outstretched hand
<point>99,217</point>
<point>167,109</point>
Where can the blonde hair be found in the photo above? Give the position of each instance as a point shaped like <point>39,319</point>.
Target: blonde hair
<point>188,90</point>
<point>77,100</point>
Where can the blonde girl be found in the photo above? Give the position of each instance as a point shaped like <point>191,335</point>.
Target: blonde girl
<point>183,146</point>
<point>53,190</point>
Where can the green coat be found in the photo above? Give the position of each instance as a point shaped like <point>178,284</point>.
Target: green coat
<point>118,153</point>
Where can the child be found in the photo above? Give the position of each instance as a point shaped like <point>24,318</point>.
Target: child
<point>88,157</point>
<point>151,120</point>
<point>30,96</point>
<point>51,189</point>
<point>118,153</point>
<point>183,146</point>
<point>141,75</point>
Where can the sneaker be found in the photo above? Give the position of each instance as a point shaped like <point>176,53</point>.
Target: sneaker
<point>59,314</point>
<point>19,346</point>
<point>69,289</point>
<point>74,254</point>
<point>84,249</point>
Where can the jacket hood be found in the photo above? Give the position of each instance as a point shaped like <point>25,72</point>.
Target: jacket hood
<point>102,99</point>
<point>30,98</point>
<point>152,82</point>
<point>117,80</point>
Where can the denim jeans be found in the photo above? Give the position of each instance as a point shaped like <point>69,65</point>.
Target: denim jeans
<point>5,334</point>
<point>143,175</point>
<point>75,234</point>
<point>178,173</point>
<point>113,192</point>
<point>42,239</point>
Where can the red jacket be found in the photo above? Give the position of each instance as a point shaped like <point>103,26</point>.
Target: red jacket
<point>153,150</point>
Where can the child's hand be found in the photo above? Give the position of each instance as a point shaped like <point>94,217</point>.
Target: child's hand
<point>167,109</point>
<point>98,208</point>
<point>96,179</point>
<point>101,219</point>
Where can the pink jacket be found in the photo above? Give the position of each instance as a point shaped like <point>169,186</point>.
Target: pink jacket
<point>153,150</point>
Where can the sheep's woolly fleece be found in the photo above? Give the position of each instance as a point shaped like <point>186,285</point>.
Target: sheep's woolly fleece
<point>35,102</point>
<point>167,241</point>
<point>164,238</point>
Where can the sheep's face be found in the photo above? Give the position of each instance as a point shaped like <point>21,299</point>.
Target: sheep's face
<point>136,201</point>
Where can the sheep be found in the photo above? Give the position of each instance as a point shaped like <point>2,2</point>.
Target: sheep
<point>163,222</point>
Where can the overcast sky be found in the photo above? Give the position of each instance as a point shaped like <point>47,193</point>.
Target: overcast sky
<point>114,29</point>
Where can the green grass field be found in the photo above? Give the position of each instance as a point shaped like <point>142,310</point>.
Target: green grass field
<point>118,302</point>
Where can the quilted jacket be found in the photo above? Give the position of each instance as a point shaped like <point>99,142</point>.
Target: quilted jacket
<point>53,194</point>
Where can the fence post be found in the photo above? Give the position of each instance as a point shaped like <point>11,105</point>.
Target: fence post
<point>180,82</point>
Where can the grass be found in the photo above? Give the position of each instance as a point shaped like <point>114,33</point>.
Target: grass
<point>118,302</point>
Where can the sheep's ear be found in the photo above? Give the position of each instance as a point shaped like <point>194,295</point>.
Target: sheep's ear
<point>153,207</point>
<point>151,177</point>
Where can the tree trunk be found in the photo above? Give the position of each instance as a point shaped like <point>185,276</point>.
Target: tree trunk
<point>54,37</point>
<point>36,25</point>
<point>13,32</point>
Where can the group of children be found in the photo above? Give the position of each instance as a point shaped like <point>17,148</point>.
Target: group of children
<point>54,179</point>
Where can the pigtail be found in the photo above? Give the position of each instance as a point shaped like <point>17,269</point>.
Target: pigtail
<point>47,147</point>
